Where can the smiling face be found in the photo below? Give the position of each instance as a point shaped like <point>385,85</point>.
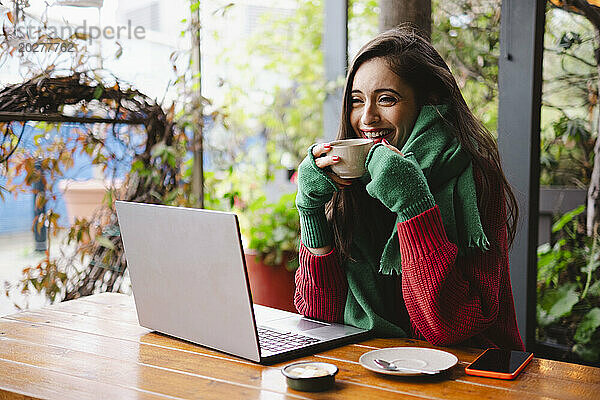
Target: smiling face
<point>383,106</point>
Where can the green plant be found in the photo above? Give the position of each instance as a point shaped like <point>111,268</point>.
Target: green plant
<point>273,230</point>
<point>467,35</point>
<point>567,153</point>
<point>287,108</point>
<point>568,287</point>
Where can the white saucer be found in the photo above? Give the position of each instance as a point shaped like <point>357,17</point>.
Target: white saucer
<point>409,357</point>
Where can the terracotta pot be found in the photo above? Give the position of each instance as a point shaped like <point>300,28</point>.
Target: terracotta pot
<point>83,198</point>
<point>271,286</point>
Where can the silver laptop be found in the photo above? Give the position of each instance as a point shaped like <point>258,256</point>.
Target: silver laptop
<point>189,280</point>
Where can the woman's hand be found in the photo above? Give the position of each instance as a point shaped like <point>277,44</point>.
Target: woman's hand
<point>323,160</point>
<point>397,181</point>
<point>315,188</point>
<point>389,146</point>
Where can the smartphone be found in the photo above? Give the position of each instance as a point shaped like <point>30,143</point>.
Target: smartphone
<point>498,363</point>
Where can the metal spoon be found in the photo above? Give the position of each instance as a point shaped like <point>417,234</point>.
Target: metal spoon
<point>390,366</point>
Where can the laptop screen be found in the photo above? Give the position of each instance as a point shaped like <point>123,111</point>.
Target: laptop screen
<point>188,277</point>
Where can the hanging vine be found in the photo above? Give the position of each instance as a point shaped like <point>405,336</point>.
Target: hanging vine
<point>156,175</point>
<point>136,134</point>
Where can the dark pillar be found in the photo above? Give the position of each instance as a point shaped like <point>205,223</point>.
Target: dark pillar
<point>335,49</point>
<point>40,234</point>
<point>198,141</point>
<point>396,12</point>
<point>520,89</point>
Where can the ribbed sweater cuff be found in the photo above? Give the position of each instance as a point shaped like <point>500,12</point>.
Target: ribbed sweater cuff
<point>416,208</point>
<point>324,271</point>
<point>422,235</point>
<point>314,230</point>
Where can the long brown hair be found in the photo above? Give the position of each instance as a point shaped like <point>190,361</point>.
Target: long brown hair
<point>410,56</point>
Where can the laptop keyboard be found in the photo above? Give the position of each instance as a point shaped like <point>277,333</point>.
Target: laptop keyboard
<point>278,341</point>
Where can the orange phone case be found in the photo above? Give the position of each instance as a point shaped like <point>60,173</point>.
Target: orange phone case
<point>495,374</point>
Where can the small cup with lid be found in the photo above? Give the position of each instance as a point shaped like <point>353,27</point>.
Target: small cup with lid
<point>310,376</point>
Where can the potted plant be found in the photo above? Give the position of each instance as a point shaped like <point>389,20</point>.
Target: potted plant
<point>568,291</point>
<point>272,231</point>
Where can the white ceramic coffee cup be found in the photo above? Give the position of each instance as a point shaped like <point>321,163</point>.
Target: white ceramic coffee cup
<point>353,154</point>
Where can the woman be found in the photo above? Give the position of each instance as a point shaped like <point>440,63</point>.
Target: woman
<point>419,245</point>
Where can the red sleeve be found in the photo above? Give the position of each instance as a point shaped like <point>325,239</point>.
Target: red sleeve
<point>448,303</point>
<point>321,286</point>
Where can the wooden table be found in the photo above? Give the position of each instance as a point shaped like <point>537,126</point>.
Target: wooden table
<point>94,348</point>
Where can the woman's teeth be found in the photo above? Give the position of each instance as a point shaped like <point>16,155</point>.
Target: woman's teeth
<point>376,134</point>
